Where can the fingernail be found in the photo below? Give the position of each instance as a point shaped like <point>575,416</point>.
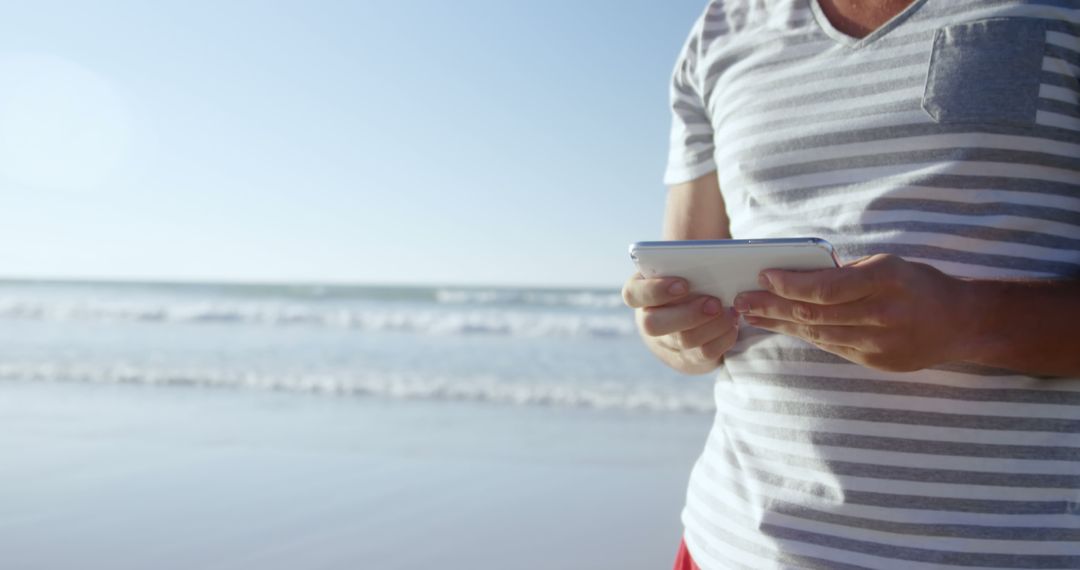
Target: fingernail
<point>711,307</point>
<point>741,305</point>
<point>763,280</point>
<point>677,288</point>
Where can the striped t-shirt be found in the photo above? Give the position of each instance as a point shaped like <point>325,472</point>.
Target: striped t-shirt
<point>950,136</point>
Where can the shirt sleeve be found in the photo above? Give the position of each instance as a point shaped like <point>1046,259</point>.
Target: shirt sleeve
<point>690,153</point>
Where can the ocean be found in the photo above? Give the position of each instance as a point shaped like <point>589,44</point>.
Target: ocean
<point>225,426</point>
<point>497,345</point>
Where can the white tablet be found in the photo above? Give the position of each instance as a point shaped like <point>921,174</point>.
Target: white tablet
<point>725,268</point>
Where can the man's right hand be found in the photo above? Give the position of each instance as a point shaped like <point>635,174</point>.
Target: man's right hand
<point>689,333</point>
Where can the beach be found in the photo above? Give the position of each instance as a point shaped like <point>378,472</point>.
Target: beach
<point>169,441</point>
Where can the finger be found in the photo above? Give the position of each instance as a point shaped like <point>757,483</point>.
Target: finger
<point>708,332</point>
<point>764,304</point>
<point>822,287</point>
<point>667,319</point>
<point>845,352</point>
<point>639,292</point>
<point>851,337</point>
<point>715,349</point>
<point>869,360</point>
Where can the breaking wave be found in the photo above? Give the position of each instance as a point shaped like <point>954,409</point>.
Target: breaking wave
<point>582,299</point>
<point>599,395</point>
<point>436,320</point>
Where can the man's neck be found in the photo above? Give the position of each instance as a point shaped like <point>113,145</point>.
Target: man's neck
<point>859,18</point>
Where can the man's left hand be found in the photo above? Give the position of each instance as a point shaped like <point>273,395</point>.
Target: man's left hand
<point>881,311</point>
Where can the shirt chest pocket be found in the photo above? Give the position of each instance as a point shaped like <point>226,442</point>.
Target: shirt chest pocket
<point>987,72</point>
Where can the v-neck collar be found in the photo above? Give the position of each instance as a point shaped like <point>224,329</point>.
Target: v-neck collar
<point>852,41</point>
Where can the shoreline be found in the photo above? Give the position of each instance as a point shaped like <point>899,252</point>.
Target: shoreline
<point>178,477</point>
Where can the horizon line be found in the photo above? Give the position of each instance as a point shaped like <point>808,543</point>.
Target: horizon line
<point>83,280</point>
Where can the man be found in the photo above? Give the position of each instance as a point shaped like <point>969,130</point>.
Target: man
<point>920,406</point>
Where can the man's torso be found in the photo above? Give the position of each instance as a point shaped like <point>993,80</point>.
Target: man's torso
<point>949,136</point>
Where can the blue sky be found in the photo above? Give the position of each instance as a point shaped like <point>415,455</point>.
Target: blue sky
<point>372,141</point>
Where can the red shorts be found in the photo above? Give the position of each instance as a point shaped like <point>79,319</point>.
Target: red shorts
<point>683,560</point>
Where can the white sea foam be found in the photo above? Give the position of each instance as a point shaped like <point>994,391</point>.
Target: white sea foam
<point>582,299</point>
<point>437,320</point>
<point>599,395</point>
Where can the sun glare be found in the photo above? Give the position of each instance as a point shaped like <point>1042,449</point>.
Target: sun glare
<point>61,125</point>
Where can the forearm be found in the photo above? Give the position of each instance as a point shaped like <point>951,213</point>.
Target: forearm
<point>1027,326</point>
